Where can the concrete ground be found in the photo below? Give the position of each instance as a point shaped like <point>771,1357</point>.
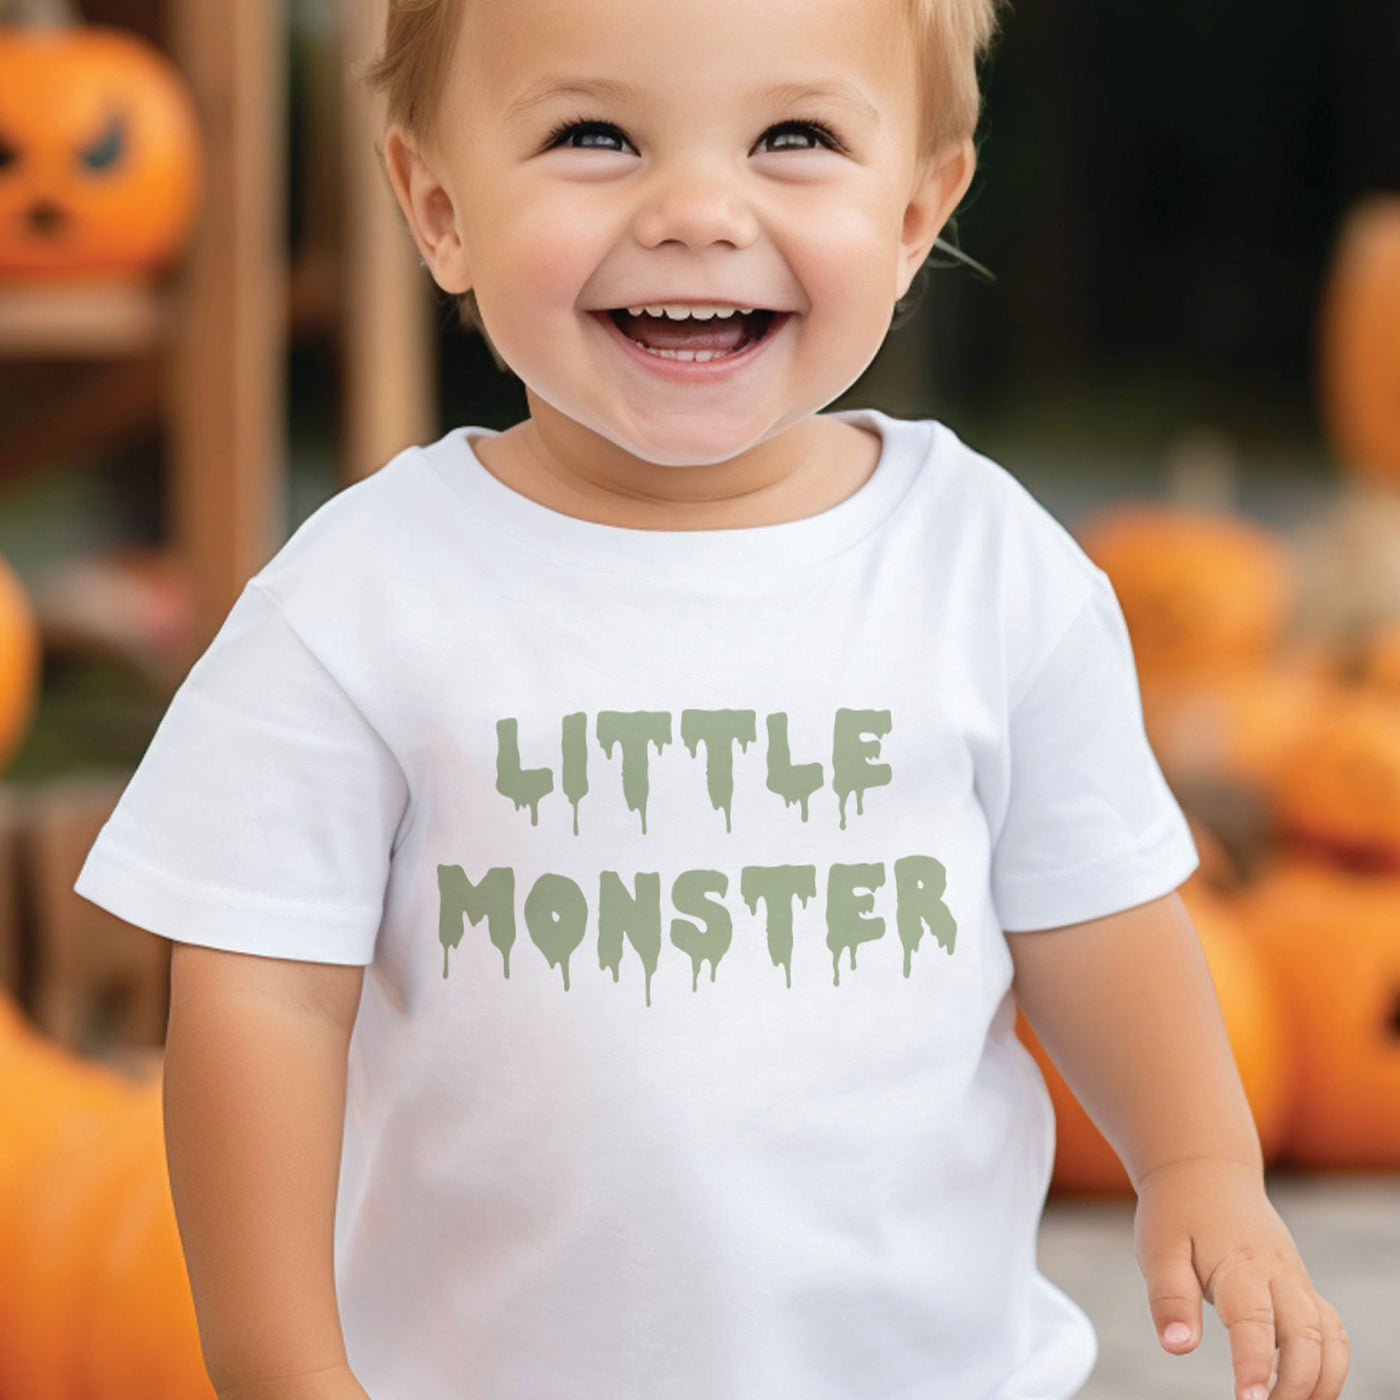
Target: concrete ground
<point>1347,1228</point>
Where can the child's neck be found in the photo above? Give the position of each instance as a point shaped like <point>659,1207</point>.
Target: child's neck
<point>838,458</point>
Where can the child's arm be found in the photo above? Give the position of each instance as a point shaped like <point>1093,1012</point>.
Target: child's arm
<point>1126,1008</point>
<point>254,1112</point>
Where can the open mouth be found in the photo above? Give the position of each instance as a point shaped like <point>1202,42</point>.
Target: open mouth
<point>696,339</point>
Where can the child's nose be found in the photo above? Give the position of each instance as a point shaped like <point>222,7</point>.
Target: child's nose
<point>696,209</point>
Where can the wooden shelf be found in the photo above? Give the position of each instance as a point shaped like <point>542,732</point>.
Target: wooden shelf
<point>114,322</point>
<point>85,321</point>
<point>204,350</point>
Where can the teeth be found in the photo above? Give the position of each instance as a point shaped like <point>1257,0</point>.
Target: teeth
<point>678,311</point>
<point>699,355</point>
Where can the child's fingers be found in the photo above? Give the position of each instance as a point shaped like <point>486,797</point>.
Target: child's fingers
<point>1300,1339</point>
<point>1174,1295</point>
<point>1245,1306</point>
<point>1336,1352</point>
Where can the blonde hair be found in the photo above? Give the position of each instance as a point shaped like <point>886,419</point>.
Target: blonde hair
<point>951,38</point>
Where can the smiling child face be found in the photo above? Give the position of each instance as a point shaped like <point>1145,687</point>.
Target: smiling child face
<point>700,184</point>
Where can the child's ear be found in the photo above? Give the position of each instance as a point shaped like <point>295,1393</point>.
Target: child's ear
<point>941,184</point>
<point>428,210</point>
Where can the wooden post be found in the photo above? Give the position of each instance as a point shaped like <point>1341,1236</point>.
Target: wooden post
<point>99,982</point>
<point>227,378</point>
<point>390,352</point>
<point>12,910</point>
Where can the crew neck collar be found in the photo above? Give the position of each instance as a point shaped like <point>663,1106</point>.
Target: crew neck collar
<point>905,445</point>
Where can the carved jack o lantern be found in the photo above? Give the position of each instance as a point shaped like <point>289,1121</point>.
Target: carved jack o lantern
<point>99,155</point>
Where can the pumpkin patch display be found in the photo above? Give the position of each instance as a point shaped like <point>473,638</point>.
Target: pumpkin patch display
<point>1199,590</point>
<point>1359,342</point>
<point>1333,938</point>
<point>1250,1006</point>
<point>99,155</point>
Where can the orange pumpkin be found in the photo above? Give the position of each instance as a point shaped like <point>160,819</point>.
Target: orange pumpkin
<point>1333,938</point>
<point>99,155</point>
<point>47,1230</point>
<point>21,657</point>
<point>1359,341</point>
<point>94,1298</point>
<point>58,1111</point>
<point>141,1334</point>
<point>1199,590</point>
<point>1337,791</point>
<point>46,1094</point>
<point>1252,1012</point>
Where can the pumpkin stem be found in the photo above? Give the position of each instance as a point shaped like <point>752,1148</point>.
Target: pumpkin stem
<point>40,14</point>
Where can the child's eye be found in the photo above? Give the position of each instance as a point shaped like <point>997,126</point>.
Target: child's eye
<point>572,128</point>
<point>569,129</point>
<point>820,129</point>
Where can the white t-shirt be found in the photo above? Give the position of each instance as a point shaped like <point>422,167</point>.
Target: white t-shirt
<point>685,1063</point>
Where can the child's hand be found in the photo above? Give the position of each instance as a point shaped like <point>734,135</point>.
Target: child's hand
<point>1206,1228</point>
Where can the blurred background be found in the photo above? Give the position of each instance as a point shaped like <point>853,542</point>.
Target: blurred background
<point>212,319</point>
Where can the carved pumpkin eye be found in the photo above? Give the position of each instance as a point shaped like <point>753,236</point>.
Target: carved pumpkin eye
<point>107,150</point>
<point>8,154</point>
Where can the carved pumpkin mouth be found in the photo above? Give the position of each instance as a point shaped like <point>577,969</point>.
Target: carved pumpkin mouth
<point>45,218</point>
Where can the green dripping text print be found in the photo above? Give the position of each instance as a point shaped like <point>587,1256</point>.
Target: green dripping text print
<point>556,909</point>
<point>556,913</point>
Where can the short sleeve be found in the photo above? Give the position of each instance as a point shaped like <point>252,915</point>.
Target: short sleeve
<point>1090,826</point>
<point>262,814</point>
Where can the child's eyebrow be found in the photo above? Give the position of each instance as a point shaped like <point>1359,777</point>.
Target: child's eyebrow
<point>613,90</point>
